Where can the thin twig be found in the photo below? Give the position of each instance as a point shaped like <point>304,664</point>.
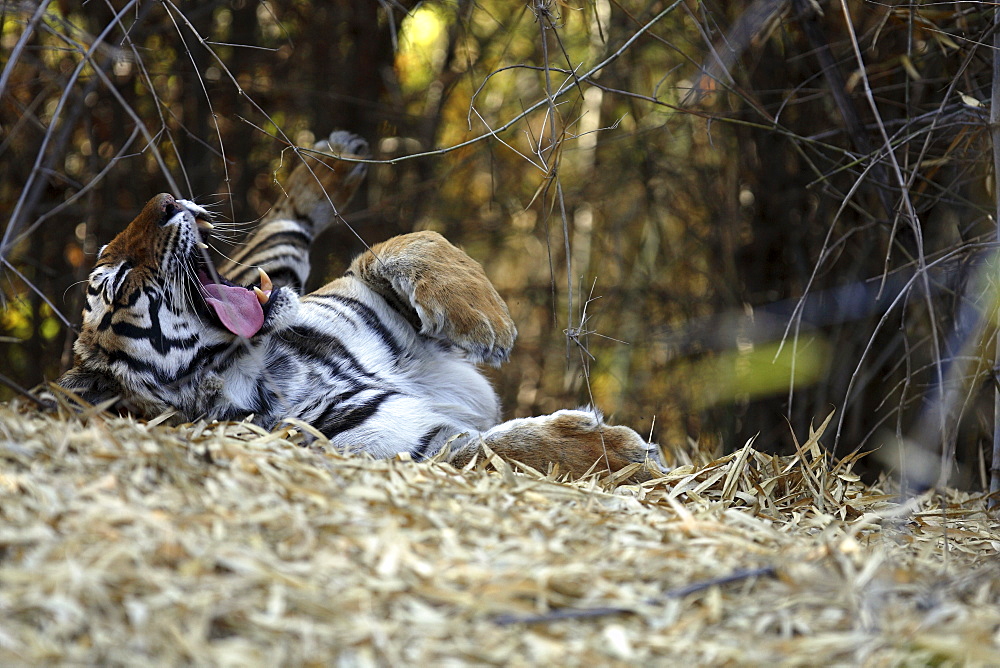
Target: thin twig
<point>560,614</point>
<point>995,134</point>
<point>27,394</point>
<point>38,292</point>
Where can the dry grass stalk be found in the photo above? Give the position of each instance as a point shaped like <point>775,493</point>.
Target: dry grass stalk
<point>124,542</point>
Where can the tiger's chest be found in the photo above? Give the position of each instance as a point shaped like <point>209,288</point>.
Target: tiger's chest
<point>344,354</point>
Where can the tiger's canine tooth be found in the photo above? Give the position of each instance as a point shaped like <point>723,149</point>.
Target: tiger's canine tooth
<point>265,281</point>
<point>202,245</point>
<point>262,297</point>
<point>204,224</point>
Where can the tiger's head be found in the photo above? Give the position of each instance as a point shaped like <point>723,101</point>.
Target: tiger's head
<point>156,309</point>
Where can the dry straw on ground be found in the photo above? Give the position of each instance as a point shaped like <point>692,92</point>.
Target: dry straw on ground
<point>123,542</point>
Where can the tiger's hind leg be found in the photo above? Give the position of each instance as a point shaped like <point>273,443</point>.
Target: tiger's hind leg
<point>442,291</point>
<point>576,440</point>
<point>316,191</point>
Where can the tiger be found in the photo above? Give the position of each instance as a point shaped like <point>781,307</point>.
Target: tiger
<point>384,360</point>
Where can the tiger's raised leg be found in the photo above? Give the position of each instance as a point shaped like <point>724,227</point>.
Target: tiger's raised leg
<point>443,292</point>
<point>280,244</point>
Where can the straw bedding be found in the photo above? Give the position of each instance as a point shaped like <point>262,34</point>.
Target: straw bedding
<point>124,542</point>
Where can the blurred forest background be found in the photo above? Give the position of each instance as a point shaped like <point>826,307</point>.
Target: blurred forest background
<point>711,219</point>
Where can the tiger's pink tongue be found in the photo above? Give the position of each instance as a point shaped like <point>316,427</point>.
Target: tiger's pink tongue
<point>237,308</point>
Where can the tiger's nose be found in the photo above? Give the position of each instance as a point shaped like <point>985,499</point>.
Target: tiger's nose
<point>169,207</point>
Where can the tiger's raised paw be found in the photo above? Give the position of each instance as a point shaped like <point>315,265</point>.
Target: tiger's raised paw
<point>342,142</point>
<point>323,179</point>
<point>444,290</point>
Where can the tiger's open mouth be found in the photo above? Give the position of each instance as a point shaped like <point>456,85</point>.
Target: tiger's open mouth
<point>239,309</point>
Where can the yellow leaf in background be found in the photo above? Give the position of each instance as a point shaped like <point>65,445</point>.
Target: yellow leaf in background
<point>422,46</point>
<point>15,319</point>
<point>49,328</point>
<point>970,101</point>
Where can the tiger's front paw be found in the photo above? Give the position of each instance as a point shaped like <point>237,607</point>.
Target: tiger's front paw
<point>449,294</point>
<point>467,313</point>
